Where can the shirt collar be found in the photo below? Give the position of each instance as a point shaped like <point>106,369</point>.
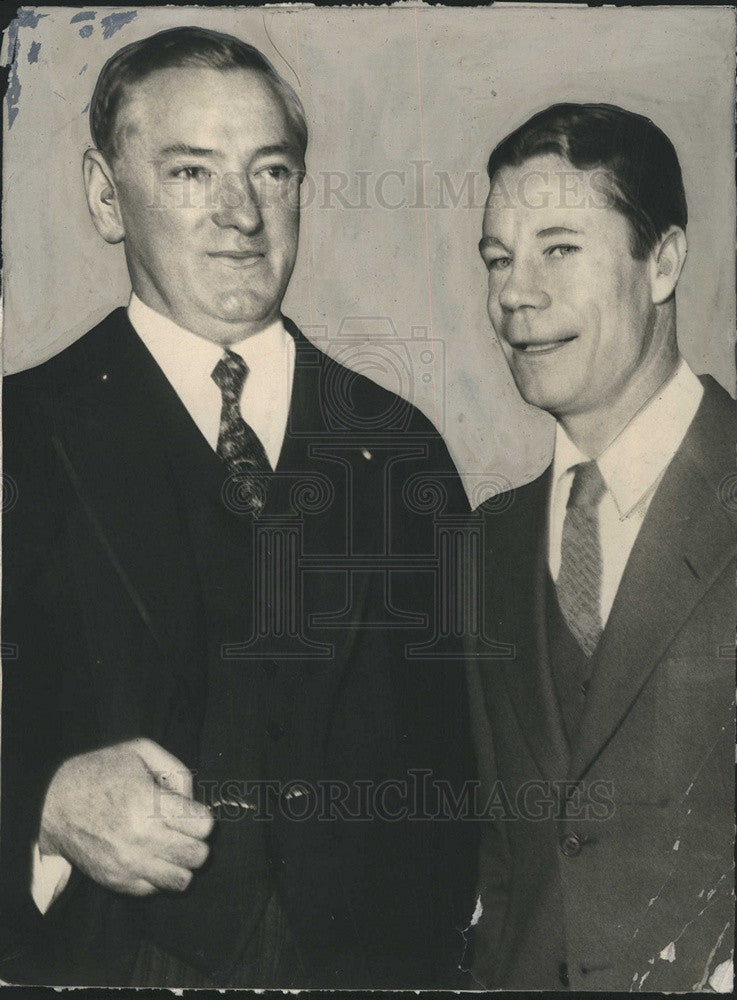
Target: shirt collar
<point>566,455</point>
<point>634,462</point>
<point>183,356</point>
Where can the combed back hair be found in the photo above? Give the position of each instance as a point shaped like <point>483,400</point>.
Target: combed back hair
<point>640,166</point>
<point>178,47</point>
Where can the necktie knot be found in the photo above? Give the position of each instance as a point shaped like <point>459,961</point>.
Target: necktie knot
<point>588,486</point>
<point>229,375</point>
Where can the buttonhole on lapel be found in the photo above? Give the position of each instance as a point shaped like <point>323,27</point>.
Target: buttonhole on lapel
<point>691,567</point>
<point>366,453</point>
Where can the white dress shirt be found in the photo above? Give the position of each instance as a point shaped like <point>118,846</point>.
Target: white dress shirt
<point>632,467</point>
<point>188,360</point>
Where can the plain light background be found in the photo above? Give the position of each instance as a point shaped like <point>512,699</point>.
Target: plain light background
<point>389,286</point>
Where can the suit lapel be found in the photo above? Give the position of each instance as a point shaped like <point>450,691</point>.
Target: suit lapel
<point>685,541</point>
<point>520,575</point>
<point>108,435</point>
<point>106,429</point>
<point>307,433</point>
<point>304,424</point>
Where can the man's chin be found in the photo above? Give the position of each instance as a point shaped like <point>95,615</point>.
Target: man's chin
<point>246,309</point>
<point>550,398</point>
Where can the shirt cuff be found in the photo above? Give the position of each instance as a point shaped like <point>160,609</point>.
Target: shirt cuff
<point>49,876</point>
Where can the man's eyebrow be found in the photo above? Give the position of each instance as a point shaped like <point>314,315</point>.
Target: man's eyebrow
<point>557,231</point>
<point>184,148</point>
<point>489,241</point>
<point>278,147</point>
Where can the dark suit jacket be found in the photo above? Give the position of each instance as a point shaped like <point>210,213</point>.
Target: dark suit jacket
<point>635,856</point>
<point>104,639</point>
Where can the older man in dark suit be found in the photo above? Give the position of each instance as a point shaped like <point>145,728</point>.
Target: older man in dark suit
<point>212,722</point>
<point>609,735</point>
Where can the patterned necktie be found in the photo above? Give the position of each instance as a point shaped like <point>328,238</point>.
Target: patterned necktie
<point>238,443</point>
<point>579,580</point>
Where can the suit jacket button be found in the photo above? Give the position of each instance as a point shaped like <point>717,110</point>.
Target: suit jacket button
<point>563,974</point>
<point>570,845</point>
<point>275,731</point>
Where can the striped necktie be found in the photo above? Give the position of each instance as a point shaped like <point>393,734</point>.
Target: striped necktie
<point>579,580</point>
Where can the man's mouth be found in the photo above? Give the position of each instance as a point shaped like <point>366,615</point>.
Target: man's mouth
<point>237,258</point>
<point>538,347</point>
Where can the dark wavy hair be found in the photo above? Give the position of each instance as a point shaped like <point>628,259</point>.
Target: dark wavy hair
<point>637,158</point>
<point>175,47</point>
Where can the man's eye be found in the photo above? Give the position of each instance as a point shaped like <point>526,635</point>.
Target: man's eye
<point>498,263</point>
<point>275,172</point>
<point>192,173</point>
<point>561,250</point>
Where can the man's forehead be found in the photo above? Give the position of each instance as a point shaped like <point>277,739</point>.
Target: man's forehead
<point>198,97</point>
<point>544,176</point>
<point>548,192</point>
<point>191,81</point>
<point>540,214</point>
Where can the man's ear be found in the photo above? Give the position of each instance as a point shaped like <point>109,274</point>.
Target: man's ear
<point>668,258</point>
<point>102,196</point>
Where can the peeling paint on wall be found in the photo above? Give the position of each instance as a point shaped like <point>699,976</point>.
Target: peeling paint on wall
<point>114,22</point>
<point>25,19</point>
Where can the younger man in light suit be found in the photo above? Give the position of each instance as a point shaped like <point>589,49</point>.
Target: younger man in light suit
<point>612,575</point>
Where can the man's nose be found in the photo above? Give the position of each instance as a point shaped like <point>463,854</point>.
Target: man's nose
<point>237,204</point>
<point>522,288</point>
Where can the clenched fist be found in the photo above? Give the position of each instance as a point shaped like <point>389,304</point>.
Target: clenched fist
<point>125,816</point>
